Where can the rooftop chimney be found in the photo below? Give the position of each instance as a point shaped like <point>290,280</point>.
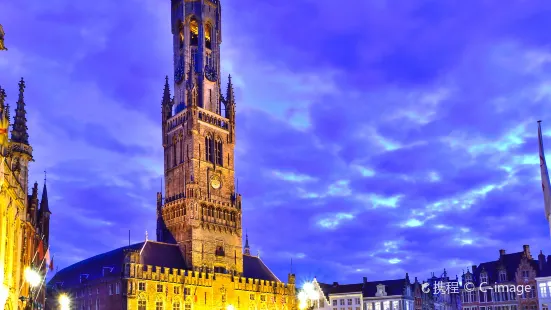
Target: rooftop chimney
<point>365,280</point>
<point>541,260</point>
<point>501,252</point>
<point>527,251</point>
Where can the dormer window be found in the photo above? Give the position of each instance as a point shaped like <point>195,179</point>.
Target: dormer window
<point>380,290</point>
<point>468,278</point>
<point>484,278</point>
<point>502,276</point>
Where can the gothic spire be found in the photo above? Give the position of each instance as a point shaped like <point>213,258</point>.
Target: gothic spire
<point>19,132</point>
<point>247,248</point>
<point>229,92</point>
<point>44,208</point>
<point>166,92</point>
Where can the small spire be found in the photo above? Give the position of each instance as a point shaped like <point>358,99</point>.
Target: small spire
<point>44,206</point>
<point>146,236</point>
<point>247,248</point>
<point>19,132</point>
<point>229,92</point>
<point>258,253</point>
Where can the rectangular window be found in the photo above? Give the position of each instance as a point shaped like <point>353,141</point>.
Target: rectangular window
<point>117,288</point>
<point>357,301</point>
<point>110,289</point>
<point>187,291</point>
<point>159,305</point>
<point>142,305</point>
<point>349,301</point>
<point>369,306</point>
<point>334,302</point>
<point>395,305</point>
<point>262,297</point>
<point>141,286</point>
<point>341,302</point>
<point>251,296</point>
<point>386,305</point>
<point>176,290</point>
<point>159,288</point>
<point>377,306</point>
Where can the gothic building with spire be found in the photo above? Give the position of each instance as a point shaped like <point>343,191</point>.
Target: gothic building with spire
<point>198,260</point>
<point>24,220</point>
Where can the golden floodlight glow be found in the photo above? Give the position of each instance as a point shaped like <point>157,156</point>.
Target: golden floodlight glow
<point>230,307</point>
<point>32,277</point>
<point>64,302</point>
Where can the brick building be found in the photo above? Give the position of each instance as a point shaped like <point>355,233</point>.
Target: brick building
<point>516,269</point>
<point>198,260</point>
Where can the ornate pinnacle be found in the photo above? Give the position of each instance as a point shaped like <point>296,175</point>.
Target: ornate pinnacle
<point>19,133</point>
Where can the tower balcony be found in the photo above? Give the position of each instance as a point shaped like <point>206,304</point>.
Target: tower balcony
<point>214,119</point>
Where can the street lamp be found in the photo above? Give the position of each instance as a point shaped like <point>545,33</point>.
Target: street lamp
<point>230,307</point>
<point>34,279</point>
<point>64,302</point>
<point>307,295</point>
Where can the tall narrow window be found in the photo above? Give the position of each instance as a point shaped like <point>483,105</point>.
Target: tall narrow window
<point>174,143</point>
<point>181,32</point>
<point>208,33</point>
<point>193,32</point>
<point>208,149</point>
<point>218,150</point>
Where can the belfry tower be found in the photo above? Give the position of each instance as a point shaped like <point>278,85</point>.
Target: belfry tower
<point>201,209</point>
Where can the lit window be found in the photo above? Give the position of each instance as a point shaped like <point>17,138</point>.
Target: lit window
<point>208,33</point>
<point>159,305</point>
<point>193,32</point>
<point>142,305</point>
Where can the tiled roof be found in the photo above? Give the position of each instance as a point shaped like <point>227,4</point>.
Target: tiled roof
<point>254,267</point>
<point>151,253</point>
<point>93,266</point>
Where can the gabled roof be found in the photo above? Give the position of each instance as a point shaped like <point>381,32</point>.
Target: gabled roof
<point>392,287</point>
<point>508,262</point>
<point>367,289</point>
<point>152,253</point>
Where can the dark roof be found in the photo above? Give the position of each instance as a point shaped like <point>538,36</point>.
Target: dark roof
<point>93,266</point>
<point>509,262</point>
<point>368,289</point>
<point>392,287</point>
<point>254,267</point>
<point>151,253</point>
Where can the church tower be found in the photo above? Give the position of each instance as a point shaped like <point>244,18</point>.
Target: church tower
<point>201,209</point>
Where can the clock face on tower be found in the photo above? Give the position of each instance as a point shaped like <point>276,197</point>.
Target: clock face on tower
<point>215,182</point>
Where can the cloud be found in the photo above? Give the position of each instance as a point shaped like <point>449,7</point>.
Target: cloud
<point>374,139</point>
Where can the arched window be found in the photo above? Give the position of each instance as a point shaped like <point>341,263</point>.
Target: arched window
<point>208,34</point>
<point>208,149</point>
<point>218,151</point>
<point>193,32</point>
<point>181,34</point>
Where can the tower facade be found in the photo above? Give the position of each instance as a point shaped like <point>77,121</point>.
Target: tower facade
<point>200,209</point>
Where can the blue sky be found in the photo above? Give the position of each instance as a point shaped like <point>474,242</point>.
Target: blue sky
<point>374,137</point>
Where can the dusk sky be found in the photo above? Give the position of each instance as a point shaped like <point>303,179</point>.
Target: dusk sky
<point>374,137</point>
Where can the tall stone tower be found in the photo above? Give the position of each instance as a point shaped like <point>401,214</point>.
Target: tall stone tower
<point>201,209</point>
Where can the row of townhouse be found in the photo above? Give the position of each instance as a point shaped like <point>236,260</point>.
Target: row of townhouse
<point>514,281</point>
<point>399,294</point>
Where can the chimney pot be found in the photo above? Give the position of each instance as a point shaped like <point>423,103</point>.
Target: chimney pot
<point>501,252</point>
